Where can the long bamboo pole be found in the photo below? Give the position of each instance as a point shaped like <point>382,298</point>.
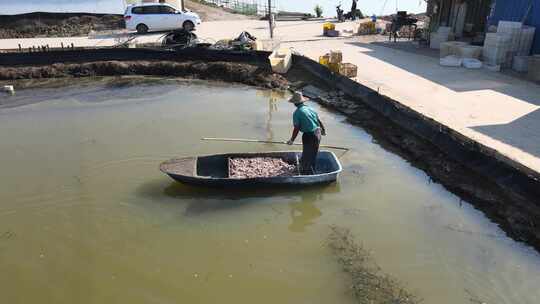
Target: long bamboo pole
<point>267,142</point>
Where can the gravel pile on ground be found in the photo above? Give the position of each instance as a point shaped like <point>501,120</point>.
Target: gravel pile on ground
<point>260,167</point>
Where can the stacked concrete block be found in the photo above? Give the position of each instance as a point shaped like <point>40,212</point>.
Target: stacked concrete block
<point>526,40</point>
<point>497,46</point>
<point>469,51</point>
<point>442,35</point>
<point>534,68</point>
<point>520,64</point>
<point>450,48</point>
<point>513,29</point>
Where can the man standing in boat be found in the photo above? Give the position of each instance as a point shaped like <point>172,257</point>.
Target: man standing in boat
<point>307,121</point>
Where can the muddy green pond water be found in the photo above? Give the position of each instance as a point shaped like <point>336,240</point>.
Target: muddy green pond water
<point>87,217</point>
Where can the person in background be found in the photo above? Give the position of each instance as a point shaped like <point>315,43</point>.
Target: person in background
<point>307,121</point>
<point>353,10</point>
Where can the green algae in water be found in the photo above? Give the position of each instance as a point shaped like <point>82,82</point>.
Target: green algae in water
<point>370,285</point>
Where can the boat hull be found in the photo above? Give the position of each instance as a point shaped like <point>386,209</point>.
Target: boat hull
<point>210,171</point>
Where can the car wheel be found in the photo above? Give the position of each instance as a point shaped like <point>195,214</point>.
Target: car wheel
<point>188,26</point>
<point>142,29</point>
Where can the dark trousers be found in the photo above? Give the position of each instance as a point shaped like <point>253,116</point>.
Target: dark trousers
<point>310,149</point>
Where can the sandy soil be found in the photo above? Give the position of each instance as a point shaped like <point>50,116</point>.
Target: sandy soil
<point>56,25</point>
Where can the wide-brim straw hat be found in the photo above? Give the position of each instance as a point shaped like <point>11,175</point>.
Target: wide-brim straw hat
<point>297,97</point>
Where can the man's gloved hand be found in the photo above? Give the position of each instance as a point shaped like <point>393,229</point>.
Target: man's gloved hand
<point>290,142</point>
<point>323,132</point>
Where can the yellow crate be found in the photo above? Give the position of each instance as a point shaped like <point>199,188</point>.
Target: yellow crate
<point>334,67</point>
<point>329,26</point>
<point>336,57</point>
<point>348,69</point>
<point>367,28</point>
<point>324,60</point>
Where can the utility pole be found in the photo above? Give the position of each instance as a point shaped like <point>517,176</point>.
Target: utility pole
<point>183,5</point>
<point>270,23</point>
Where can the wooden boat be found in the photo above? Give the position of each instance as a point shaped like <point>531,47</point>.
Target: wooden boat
<point>213,170</point>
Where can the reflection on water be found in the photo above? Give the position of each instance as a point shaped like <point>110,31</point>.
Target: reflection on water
<point>87,91</point>
<point>304,213</point>
<point>273,98</point>
<point>302,208</point>
<point>86,216</point>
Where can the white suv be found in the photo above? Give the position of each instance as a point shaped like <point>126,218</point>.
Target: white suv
<point>158,17</point>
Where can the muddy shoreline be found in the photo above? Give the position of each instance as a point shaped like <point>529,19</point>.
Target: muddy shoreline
<point>222,71</point>
<point>517,213</point>
<point>500,196</point>
<point>514,214</point>
<point>57,24</point>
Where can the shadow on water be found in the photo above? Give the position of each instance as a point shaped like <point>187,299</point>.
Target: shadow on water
<point>199,200</point>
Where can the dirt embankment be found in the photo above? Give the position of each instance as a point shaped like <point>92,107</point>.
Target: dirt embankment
<point>222,71</point>
<point>56,25</point>
<point>213,13</point>
<point>81,24</point>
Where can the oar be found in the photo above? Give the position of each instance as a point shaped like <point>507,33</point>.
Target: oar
<point>268,142</point>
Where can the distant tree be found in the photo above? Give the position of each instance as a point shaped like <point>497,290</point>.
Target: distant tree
<point>318,11</point>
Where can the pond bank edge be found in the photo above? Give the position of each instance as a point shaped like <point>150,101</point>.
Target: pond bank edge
<point>501,187</point>
<point>506,191</point>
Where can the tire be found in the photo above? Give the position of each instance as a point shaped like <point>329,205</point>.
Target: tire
<point>142,29</point>
<point>188,26</point>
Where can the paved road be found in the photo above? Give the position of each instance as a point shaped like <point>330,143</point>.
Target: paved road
<point>494,109</point>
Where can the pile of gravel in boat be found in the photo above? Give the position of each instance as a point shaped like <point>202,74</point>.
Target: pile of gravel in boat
<point>260,167</point>
<point>369,284</point>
